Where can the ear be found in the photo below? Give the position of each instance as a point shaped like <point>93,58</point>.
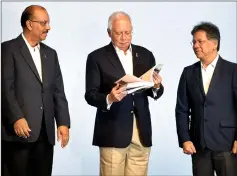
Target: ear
<point>109,32</point>
<point>29,25</point>
<point>215,44</point>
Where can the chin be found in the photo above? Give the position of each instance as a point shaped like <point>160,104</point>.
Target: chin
<point>198,56</point>
<point>42,38</point>
<point>124,47</point>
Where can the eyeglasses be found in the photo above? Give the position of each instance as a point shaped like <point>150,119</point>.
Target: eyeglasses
<point>126,33</point>
<point>42,23</point>
<point>199,42</point>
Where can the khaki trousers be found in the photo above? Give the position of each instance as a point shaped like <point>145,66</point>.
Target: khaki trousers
<point>129,161</point>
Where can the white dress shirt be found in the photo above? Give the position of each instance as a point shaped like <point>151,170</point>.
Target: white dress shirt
<point>35,53</point>
<point>125,59</point>
<point>207,73</point>
<point>127,63</point>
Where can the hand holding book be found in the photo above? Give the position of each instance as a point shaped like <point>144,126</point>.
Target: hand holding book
<point>117,94</point>
<point>146,81</point>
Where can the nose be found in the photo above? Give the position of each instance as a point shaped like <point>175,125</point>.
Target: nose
<point>48,27</point>
<point>196,45</point>
<point>124,36</point>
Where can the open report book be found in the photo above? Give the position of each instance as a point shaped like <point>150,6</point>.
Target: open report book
<point>135,84</point>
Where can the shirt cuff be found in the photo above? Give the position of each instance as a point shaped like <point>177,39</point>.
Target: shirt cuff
<point>107,101</point>
<point>154,90</point>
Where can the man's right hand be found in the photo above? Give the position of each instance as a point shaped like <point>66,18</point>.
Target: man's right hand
<point>188,148</point>
<point>21,128</point>
<point>117,94</point>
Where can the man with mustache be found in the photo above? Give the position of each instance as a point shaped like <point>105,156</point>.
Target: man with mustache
<point>32,99</point>
<point>123,124</point>
<point>206,109</point>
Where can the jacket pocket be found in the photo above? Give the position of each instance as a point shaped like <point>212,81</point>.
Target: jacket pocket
<point>228,123</point>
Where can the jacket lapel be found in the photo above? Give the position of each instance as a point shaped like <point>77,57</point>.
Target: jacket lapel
<point>216,75</point>
<point>135,59</point>
<point>198,74</point>
<point>43,55</point>
<point>27,56</point>
<point>114,60</point>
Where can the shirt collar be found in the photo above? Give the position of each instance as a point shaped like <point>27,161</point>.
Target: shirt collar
<point>119,50</point>
<point>28,45</point>
<point>213,63</point>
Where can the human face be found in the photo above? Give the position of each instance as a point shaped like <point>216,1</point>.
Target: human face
<point>204,48</point>
<point>121,33</point>
<point>39,25</point>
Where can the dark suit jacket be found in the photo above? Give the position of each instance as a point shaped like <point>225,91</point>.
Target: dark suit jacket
<point>213,116</point>
<point>24,95</point>
<point>113,128</point>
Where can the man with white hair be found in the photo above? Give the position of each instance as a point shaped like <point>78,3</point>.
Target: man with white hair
<point>123,123</point>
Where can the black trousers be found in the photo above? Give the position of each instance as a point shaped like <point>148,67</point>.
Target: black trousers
<point>205,162</point>
<point>28,159</point>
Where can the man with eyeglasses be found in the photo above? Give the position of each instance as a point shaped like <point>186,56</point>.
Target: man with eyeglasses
<point>123,124</point>
<point>32,99</point>
<point>206,109</point>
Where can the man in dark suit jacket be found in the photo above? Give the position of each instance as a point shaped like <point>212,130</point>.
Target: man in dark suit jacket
<point>123,124</point>
<point>207,93</point>
<point>32,96</point>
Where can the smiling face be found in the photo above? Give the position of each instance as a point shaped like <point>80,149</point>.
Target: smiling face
<point>203,47</point>
<point>121,33</point>
<point>38,24</point>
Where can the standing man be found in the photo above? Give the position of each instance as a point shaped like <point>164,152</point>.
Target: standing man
<point>123,123</point>
<point>32,96</point>
<point>207,93</point>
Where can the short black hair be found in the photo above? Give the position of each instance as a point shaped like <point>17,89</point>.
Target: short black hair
<point>28,14</point>
<point>212,31</point>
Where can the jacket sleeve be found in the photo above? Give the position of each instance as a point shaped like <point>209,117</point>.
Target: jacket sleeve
<point>235,92</point>
<point>93,95</point>
<point>60,102</point>
<point>158,92</point>
<point>10,107</point>
<point>182,111</point>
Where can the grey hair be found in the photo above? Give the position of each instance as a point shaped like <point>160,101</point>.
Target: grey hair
<point>114,16</point>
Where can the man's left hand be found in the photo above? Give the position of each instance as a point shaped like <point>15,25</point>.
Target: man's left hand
<point>234,149</point>
<point>63,135</point>
<point>157,79</point>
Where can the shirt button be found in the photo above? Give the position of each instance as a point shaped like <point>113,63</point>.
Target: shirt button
<point>41,107</point>
<point>131,112</point>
